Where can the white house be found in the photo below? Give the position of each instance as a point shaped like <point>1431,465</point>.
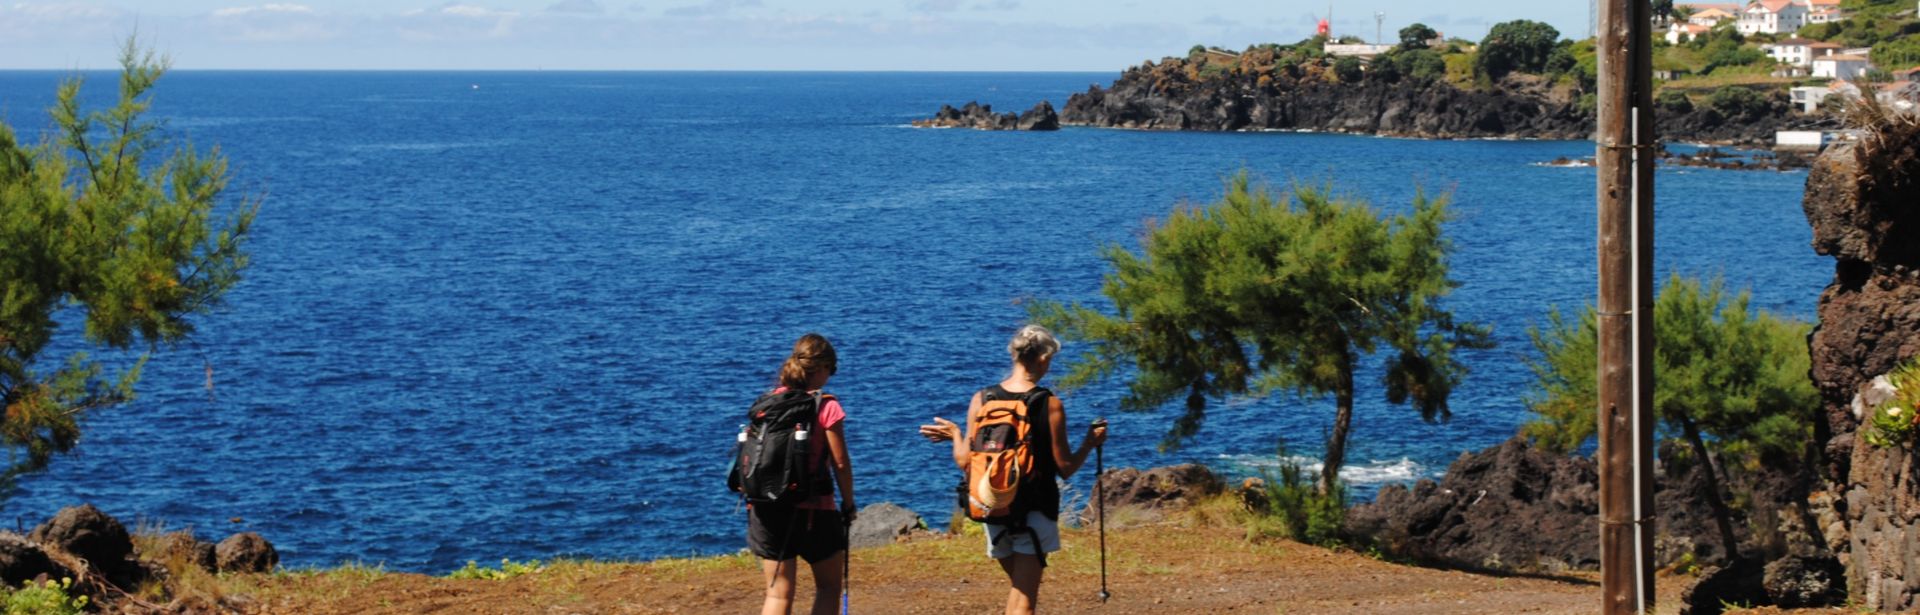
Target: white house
<point>1794,51</point>
<point>1841,66</point>
<point>1808,97</point>
<point>1362,51</point>
<point>1683,32</point>
<point>1773,17</point>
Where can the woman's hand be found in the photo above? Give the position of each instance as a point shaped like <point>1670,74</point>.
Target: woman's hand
<point>941,430</point>
<point>1096,433</point>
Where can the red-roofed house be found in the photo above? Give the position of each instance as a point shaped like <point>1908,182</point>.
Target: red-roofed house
<point>1773,16</point>
<point>1710,16</point>
<point>1683,32</point>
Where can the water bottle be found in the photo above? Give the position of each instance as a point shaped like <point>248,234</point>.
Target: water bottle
<point>800,434</point>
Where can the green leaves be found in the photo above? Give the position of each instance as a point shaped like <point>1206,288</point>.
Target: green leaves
<point>1739,374</point>
<point>1518,45</point>
<point>89,223</point>
<point>1259,293</point>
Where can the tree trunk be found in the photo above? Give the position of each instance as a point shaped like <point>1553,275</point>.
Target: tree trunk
<point>1721,516</point>
<point>1342,420</point>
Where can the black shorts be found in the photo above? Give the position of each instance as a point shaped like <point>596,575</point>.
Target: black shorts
<point>778,532</point>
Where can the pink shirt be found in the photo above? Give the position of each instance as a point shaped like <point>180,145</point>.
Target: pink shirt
<point>831,415</point>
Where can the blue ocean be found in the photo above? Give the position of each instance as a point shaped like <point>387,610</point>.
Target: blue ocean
<point>521,314</point>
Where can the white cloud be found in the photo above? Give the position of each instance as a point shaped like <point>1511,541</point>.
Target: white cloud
<point>242,11</point>
<point>454,21</point>
<point>274,23</point>
<point>711,8</point>
<point>577,7</point>
<point>936,6</point>
<point>24,22</point>
<point>60,11</point>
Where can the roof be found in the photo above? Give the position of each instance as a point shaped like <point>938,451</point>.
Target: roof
<point>1840,58</point>
<point>1829,4</point>
<point>1796,42</point>
<point>1770,6</point>
<point>1819,45</point>
<point>1715,13</point>
<point>1691,28</point>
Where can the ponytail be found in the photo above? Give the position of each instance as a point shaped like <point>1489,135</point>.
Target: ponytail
<point>811,354</point>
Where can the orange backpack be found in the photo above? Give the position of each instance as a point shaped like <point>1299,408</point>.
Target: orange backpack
<point>1000,454</point>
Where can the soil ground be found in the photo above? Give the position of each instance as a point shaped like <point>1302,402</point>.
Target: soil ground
<point>1163,568</point>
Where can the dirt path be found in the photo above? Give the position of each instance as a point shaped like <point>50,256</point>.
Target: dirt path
<point>1163,569</point>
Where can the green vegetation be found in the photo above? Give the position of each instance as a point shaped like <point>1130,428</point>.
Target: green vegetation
<point>1295,508</point>
<point>1720,370</point>
<point>1892,422</point>
<point>1348,70</point>
<point>96,228</point>
<point>1259,293</point>
<point>1518,45</point>
<point>1416,37</point>
<point>508,569</point>
<point>50,598</point>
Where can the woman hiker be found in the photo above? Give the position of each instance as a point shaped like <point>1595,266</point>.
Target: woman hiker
<point>1021,543</point>
<point>812,528</point>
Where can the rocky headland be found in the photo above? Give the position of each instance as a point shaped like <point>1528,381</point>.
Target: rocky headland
<point>981,117</point>
<point>1261,90</point>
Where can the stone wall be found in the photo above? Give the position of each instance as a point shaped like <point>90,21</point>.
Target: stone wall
<point>1864,204</point>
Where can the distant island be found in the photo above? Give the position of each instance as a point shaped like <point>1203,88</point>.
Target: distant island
<point>1727,80</point>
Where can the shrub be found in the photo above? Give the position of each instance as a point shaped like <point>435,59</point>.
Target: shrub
<point>45,599</point>
<point>1296,504</point>
<point>1674,101</point>
<point>1348,70</point>
<point>1894,406</point>
<point>1737,102</point>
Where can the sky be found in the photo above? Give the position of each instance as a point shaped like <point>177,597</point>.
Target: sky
<point>893,35</point>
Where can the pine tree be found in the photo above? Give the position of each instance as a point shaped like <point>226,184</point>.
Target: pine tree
<point>1720,370</point>
<point>95,231</point>
<point>1257,294</point>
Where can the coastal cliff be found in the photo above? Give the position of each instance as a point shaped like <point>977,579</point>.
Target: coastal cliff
<point>1260,90</point>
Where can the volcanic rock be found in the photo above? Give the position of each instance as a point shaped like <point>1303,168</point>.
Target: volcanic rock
<point>1800,582</point>
<point>981,117</point>
<point>1155,491</point>
<point>1510,507</point>
<point>89,534</point>
<point>882,524</point>
<point>1719,586</point>
<point>21,560</point>
<point>246,552</point>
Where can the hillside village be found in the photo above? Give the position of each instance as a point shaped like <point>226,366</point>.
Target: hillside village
<point>1815,48</point>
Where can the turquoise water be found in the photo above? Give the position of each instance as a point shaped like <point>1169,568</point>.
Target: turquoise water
<point>518,314</point>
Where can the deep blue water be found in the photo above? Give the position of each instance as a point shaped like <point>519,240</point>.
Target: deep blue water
<point>522,319</point>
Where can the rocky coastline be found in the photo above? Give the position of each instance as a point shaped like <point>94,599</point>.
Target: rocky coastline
<point>1166,97</point>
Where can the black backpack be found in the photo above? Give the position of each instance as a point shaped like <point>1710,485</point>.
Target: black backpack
<point>770,455</point>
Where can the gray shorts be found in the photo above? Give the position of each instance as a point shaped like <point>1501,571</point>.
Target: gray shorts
<point>1020,540</point>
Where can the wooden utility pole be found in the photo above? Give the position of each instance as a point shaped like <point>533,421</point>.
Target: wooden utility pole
<point>1624,161</point>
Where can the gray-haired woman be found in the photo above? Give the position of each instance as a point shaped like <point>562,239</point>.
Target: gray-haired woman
<point>1021,547</point>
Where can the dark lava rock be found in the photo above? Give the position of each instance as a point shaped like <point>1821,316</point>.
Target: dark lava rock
<point>1860,200</point>
<point>1510,507</point>
<point>882,524</point>
<point>1159,490</point>
<point>1173,95</point>
<point>89,534</point>
<point>981,117</point>
<point>246,552</point>
<point>1738,583</point>
<point>1801,582</point>
<point>21,560</point>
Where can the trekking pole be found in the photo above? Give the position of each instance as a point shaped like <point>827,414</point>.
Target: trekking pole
<point>846,569</point>
<point>1100,505</point>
